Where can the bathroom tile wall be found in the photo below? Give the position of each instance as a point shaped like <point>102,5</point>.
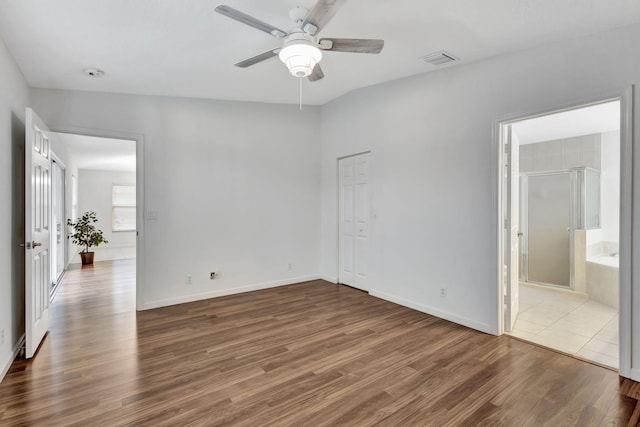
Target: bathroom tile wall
<point>602,283</point>
<point>602,248</point>
<point>560,154</point>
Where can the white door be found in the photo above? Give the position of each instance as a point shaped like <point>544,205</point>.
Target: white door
<point>512,225</point>
<point>37,231</point>
<point>354,215</point>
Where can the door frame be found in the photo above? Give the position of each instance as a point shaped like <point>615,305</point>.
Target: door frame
<point>63,167</point>
<point>625,96</point>
<point>338,159</point>
<point>140,187</point>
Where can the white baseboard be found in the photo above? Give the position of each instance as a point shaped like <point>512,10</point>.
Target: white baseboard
<point>228,291</point>
<point>634,374</point>
<point>331,279</point>
<point>109,253</point>
<point>482,327</point>
<point>16,350</point>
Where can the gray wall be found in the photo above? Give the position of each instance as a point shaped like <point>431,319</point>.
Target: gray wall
<point>14,96</point>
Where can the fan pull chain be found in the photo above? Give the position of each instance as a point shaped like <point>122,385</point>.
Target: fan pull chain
<point>300,79</point>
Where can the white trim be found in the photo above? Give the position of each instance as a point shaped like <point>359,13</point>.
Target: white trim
<point>229,291</point>
<point>497,166</point>
<point>470,323</point>
<point>625,278</point>
<point>327,278</point>
<point>634,374</point>
<point>109,252</point>
<point>140,207</point>
<point>16,350</point>
<point>56,159</point>
<point>66,262</point>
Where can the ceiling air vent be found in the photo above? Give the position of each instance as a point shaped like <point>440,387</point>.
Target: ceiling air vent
<point>439,58</point>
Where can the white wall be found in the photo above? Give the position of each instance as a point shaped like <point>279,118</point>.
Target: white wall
<point>234,187</point>
<point>610,186</point>
<point>94,194</point>
<point>435,166</point>
<point>14,98</point>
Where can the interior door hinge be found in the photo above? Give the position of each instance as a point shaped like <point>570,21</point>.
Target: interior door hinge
<point>505,299</point>
<point>506,223</point>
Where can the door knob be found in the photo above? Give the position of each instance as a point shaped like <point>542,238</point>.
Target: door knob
<point>520,233</point>
<point>35,244</point>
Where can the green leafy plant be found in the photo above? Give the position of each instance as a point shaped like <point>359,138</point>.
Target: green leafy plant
<point>85,232</point>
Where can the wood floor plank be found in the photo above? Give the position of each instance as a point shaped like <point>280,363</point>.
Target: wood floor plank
<point>312,353</point>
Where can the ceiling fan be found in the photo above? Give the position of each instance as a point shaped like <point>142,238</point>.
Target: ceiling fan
<point>301,50</point>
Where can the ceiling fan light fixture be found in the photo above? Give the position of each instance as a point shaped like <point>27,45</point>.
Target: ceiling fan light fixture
<point>300,56</point>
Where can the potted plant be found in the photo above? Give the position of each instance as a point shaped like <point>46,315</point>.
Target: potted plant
<point>86,234</point>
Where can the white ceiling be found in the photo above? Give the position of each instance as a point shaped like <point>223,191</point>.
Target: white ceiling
<point>91,152</point>
<point>184,48</point>
<point>582,121</point>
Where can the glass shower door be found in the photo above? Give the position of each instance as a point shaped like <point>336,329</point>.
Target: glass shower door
<point>549,229</point>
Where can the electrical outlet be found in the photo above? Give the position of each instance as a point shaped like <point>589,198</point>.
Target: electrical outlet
<point>290,266</point>
<point>443,292</point>
<point>189,279</point>
<point>212,275</point>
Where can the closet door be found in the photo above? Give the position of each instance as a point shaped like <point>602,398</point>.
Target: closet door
<point>353,221</point>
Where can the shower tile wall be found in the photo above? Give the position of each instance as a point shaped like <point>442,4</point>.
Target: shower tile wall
<point>564,153</point>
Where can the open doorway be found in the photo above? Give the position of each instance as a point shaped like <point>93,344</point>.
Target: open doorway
<point>561,207</point>
<point>98,175</point>
<point>42,147</point>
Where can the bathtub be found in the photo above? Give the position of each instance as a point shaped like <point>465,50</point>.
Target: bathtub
<point>608,260</point>
<point>601,279</point>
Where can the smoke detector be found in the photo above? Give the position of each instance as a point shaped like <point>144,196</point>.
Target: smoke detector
<point>93,72</point>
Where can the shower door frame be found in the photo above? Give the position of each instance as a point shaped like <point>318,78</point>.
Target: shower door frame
<point>524,223</point>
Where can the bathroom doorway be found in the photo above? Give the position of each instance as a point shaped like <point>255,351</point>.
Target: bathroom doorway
<point>569,238</point>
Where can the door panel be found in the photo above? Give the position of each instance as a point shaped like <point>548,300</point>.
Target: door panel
<point>362,226</point>
<point>346,222</point>
<point>37,231</point>
<point>354,214</point>
<point>549,225</point>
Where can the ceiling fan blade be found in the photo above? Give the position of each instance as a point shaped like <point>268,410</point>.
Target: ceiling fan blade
<point>258,58</point>
<point>317,74</point>
<point>352,45</point>
<point>322,13</point>
<point>232,13</point>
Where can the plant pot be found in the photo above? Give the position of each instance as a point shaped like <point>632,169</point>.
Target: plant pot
<point>87,257</point>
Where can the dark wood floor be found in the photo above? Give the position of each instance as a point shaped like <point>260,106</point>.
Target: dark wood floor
<point>309,354</point>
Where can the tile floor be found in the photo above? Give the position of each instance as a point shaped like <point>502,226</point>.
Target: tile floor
<point>568,322</point>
